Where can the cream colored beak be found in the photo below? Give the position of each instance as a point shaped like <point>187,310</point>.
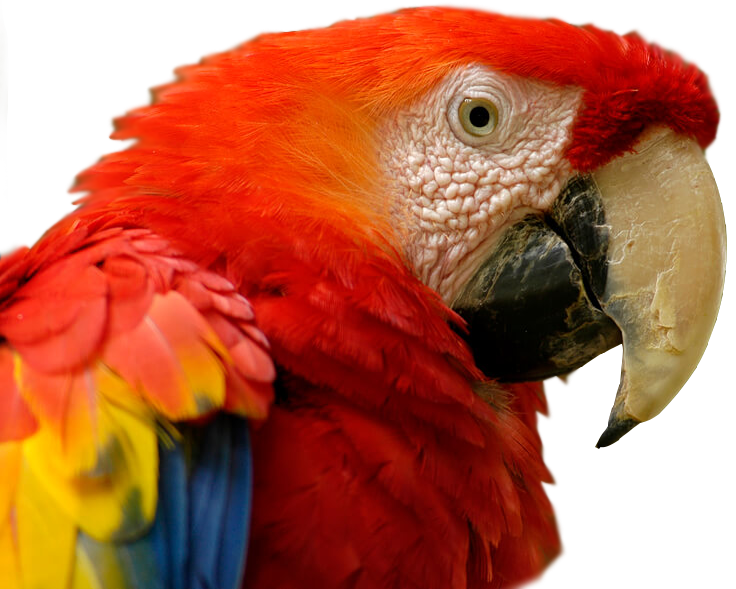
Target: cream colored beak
<point>666,268</point>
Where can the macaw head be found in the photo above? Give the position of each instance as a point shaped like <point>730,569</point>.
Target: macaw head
<point>546,180</point>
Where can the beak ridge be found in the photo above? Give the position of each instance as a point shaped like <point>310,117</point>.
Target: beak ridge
<point>666,267</point>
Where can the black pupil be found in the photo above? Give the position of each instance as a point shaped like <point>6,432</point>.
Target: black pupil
<point>479,116</point>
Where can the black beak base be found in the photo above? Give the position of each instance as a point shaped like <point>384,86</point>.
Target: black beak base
<point>531,308</point>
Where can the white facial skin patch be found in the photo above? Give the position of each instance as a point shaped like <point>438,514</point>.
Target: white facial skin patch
<point>453,189</point>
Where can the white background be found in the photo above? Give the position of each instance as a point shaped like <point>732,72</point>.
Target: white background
<point>656,510</point>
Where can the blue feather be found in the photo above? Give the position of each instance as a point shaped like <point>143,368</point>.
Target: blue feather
<point>199,537</point>
<point>170,532</point>
<point>234,547</point>
<point>208,494</point>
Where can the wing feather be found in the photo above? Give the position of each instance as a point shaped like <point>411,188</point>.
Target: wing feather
<point>118,359</point>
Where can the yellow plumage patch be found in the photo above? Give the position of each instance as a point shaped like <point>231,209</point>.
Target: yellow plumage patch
<point>46,535</point>
<point>88,567</point>
<point>119,499</point>
<point>10,460</point>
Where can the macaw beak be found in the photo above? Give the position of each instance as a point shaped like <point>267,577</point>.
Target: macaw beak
<point>632,253</point>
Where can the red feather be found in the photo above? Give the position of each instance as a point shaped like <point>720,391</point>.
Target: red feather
<point>125,300</point>
<point>16,419</point>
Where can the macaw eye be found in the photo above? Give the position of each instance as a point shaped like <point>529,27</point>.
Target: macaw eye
<point>478,116</point>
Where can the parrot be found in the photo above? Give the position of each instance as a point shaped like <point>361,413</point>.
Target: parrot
<point>294,334</point>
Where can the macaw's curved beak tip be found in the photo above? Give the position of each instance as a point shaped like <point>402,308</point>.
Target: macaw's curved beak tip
<point>632,253</point>
<point>617,429</point>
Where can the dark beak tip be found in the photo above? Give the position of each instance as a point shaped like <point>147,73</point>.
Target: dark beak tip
<point>617,428</point>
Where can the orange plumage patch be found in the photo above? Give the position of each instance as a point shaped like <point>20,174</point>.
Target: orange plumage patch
<point>244,121</point>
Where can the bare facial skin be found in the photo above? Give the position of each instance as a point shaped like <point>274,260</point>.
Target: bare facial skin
<point>452,190</point>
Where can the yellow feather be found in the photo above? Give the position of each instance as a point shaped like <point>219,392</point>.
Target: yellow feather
<point>10,459</point>
<point>121,393</point>
<point>9,569</point>
<point>205,376</point>
<point>89,567</point>
<point>46,536</point>
<point>118,500</point>
<point>84,576</point>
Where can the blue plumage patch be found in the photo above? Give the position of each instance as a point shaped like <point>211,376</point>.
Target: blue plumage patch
<point>199,538</point>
